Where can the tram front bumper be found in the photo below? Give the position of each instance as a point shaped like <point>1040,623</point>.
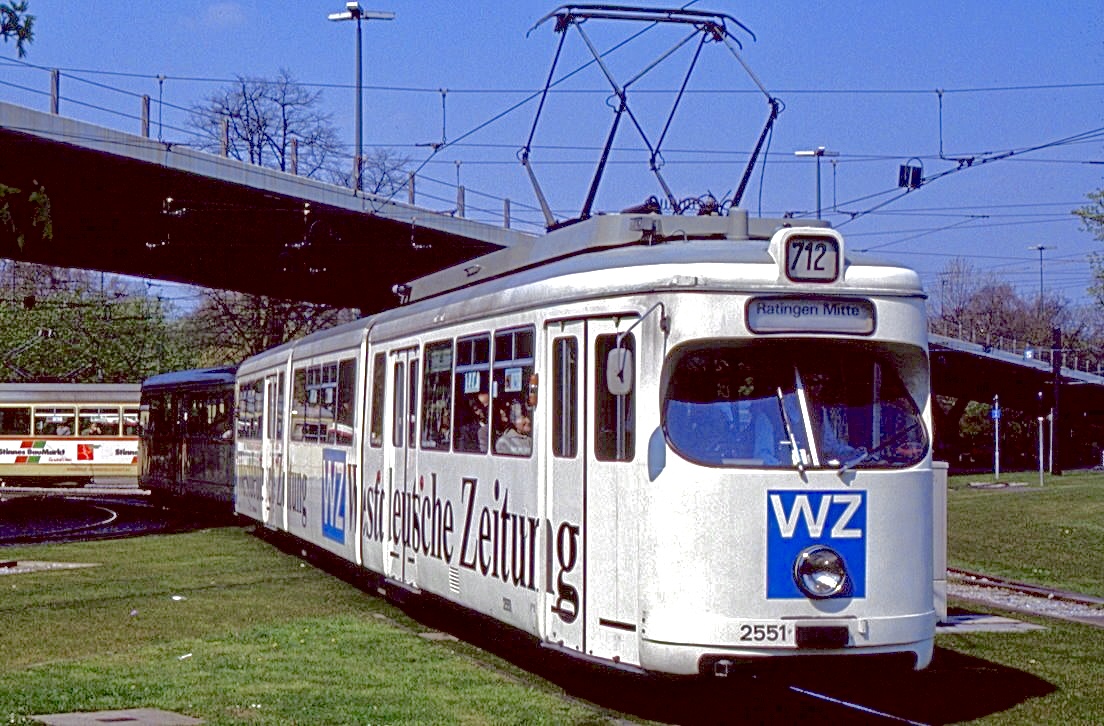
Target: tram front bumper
<point>696,645</point>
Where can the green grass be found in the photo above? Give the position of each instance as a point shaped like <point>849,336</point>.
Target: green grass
<point>257,636</point>
<point>221,626</point>
<point>1051,535</point>
<point>1040,677</point>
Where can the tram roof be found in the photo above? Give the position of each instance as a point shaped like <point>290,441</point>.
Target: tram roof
<point>616,254</point>
<point>339,337</point>
<point>192,377</point>
<point>644,250</point>
<point>744,239</point>
<point>31,393</point>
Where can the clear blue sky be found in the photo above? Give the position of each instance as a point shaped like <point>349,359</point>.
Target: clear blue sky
<point>856,77</point>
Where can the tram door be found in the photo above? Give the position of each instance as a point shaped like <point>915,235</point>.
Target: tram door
<point>612,517</point>
<point>591,603</point>
<point>401,562</point>
<point>272,453</point>
<point>562,404</point>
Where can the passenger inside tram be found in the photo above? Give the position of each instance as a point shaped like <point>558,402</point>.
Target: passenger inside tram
<point>517,439</point>
<point>472,431</point>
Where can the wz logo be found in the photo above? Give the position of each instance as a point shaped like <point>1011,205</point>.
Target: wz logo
<point>334,494</point>
<point>796,520</point>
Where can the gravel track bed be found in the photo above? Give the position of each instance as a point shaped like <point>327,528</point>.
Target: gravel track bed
<point>1053,605</point>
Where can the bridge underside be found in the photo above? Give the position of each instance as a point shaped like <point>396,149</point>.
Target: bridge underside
<point>961,375</point>
<point>113,213</point>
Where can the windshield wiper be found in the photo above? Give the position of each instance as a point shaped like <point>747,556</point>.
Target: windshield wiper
<point>795,454</point>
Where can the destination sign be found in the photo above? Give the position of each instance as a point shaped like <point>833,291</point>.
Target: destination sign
<point>810,315</point>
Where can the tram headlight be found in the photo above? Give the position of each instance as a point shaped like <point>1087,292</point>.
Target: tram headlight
<point>820,572</point>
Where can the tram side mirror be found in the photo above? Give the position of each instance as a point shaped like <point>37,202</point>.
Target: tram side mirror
<point>619,371</point>
<point>534,387</point>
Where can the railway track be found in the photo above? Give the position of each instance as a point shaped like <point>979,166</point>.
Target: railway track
<point>1025,598</point>
<point>40,519</point>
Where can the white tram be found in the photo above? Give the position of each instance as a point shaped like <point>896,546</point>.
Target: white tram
<point>668,443</point>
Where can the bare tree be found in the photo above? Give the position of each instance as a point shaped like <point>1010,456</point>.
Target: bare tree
<point>385,172</point>
<point>231,326</point>
<point>957,283</point>
<point>263,116</point>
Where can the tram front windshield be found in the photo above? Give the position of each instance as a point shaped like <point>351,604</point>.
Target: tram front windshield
<point>793,404</point>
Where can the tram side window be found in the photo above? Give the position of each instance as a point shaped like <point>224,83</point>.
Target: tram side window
<point>473,394</point>
<point>155,415</point>
<point>130,422</point>
<point>412,403</point>
<point>98,421</point>
<point>322,409</point>
<point>565,394</point>
<point>321,400</point>
<point>15,421</point>
<point>208,415</point>
<point>614,411</point>
<point>250,407</point>
<point>54,421</point>
<point>341,431</point>
<point>281,388</point>
<point>195,409</point>
<point>512,420</point>
<point>379,373</point>
<point>437,395</point>
<point>299,404</point>
<point>399,415</point>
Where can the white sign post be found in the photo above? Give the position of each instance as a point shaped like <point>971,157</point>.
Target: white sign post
<point>1040,451</point>
<point>996,414</point>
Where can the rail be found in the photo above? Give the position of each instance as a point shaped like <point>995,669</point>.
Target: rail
<point>1072,359</point>
<point>130,111</point>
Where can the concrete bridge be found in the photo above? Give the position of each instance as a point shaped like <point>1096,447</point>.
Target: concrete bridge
<point>133,205</point>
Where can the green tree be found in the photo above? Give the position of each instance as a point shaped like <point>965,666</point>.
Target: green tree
<point>1092,221</point>
<point>61,325</point>
<point>16,23</point>
<point>24,214</point>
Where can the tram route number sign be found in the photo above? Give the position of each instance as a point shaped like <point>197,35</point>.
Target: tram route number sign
<point>812,259</point>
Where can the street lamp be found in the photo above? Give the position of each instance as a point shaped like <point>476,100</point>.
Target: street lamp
<point>353,11</point>
<point>1040,248</point>
<point>817,152</point>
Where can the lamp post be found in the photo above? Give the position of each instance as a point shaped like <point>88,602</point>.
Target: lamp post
<point>817,152</point>
<point>1040,248</point>
<point>353,11</point>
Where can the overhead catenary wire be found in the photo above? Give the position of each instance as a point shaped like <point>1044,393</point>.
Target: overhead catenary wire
<point>877,204</point>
